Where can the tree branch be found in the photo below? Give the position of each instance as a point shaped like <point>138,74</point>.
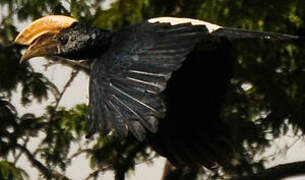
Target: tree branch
<point>48,173</point>
<point>96,173</point>
<point>277,172</point>
<point>83,65</point>
<point>68,83</point>
<point>45,171</point>
<point>21,152</point>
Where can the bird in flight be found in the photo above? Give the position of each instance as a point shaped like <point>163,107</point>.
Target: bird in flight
<point>130,69</point>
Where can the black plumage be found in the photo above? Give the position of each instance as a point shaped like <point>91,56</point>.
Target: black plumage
<point>133,74</point>
<point>192,132</point>
<point>131,88</point>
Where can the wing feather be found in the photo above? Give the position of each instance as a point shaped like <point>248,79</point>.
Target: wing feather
<point>127,80</point>
<point>119,125</point>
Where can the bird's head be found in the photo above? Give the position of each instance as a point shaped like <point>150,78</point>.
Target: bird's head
<point>58,35</point>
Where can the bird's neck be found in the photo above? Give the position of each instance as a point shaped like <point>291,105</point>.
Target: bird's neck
<point>98,42</point>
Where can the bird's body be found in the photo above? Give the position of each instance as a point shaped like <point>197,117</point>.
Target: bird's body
<point>129,73</point>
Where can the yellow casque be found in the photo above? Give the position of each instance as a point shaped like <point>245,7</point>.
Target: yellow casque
<point>46,24</point>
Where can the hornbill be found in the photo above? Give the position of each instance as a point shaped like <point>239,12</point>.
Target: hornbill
<point>131,89</point>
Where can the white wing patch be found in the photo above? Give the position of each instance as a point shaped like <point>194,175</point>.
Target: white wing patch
<point>173,21</point>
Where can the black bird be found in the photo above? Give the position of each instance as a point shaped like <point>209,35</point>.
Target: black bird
<point>131,88</point>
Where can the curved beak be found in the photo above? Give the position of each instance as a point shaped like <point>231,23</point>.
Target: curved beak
<point>43,46</point>
<point>40,36</point>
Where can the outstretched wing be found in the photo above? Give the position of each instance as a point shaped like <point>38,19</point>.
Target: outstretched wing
<point>127,80</point>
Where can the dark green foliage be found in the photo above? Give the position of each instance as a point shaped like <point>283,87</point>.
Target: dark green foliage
<point>266,95</point>
<point>9,171</point>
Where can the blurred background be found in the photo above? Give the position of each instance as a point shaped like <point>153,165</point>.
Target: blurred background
<point>43,103</point>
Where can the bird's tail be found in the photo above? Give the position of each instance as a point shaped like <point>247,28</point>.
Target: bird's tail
<point>235,33</point>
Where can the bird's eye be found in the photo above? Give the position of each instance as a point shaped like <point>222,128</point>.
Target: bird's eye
<point>63,39</point>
